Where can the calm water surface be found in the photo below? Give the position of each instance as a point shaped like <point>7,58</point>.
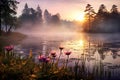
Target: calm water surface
<point>95,49</point>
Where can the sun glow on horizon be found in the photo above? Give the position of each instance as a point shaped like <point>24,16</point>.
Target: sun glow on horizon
<point>80,17</point>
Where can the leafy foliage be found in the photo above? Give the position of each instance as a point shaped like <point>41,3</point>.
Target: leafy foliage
<point>8,11</point>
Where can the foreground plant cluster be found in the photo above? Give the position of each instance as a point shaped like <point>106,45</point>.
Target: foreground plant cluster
<point>14,68</point>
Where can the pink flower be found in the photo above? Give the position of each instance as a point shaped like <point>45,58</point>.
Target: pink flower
<point>41,58</point>
<point>9,48</point>
<point>47,60</point>
<point>68,53</point>
<point>61,48</point>
<point>53,53</point>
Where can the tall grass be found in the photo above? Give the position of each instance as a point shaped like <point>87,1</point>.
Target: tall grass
<point>14,68</point>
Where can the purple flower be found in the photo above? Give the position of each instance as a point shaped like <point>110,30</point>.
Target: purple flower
<point>42,58</point>
<point>47,59</point>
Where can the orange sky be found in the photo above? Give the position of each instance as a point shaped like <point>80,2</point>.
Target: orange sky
<point>68,9</point>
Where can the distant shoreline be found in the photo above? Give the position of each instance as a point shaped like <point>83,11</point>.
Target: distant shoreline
<point>101,32</point>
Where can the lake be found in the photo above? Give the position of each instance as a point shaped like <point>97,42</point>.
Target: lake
<point>94,49</point>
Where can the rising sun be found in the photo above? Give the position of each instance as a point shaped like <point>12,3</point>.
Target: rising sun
<point>80,17</point>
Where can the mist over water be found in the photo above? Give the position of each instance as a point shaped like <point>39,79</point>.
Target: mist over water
<point>50,37</point>
<point>49,32</point>
<point>61,33</point>
<point>44,38</point>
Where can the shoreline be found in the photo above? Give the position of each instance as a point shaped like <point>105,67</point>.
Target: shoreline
<point>13,38</point>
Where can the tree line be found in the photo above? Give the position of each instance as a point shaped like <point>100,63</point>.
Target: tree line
<point>9,21</point>
<point>103,20</point>
<point>36,16</point>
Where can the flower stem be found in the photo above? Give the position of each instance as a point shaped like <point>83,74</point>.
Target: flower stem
<point>67,61</point>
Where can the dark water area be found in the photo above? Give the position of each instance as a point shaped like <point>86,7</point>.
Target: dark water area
<point>94,49</point>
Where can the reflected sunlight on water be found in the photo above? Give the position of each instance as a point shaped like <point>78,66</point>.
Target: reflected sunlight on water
<point>94,49</point>
<point>76,46</point>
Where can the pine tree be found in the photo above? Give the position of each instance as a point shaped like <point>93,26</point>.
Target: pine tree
<point>39,14</point>
<point>103,12</point>
<point>47,16</point>
<point>26,10</point>
<point>89,14</point>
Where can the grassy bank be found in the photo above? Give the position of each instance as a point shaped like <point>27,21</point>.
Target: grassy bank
<point>13,38</point>
<point>15,68</point>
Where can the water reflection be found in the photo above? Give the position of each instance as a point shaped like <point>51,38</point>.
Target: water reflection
<point>101,50</point>
<point>76,45</point>
<point>79,44</point>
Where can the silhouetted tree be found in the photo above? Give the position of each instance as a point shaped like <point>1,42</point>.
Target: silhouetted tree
<point>7,14</point>
<point>47,16</point>
<point>89,15</point>
<point>103,20</point>
<point>99,23</point>
<point>102,14</point>
<point>31,15</point>
<point>55,18</point>
<point>115,17</point>
<point>39,14</point>
<point>114,10</point>
<point>12,24</point>
<point>25,16</point>
<point>26,10</point>
<point>102,9</point>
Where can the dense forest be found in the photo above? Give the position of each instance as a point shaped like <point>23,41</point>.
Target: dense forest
<point>35,16</point>
<point>103,20</point>
<point>95,22</point>
<point>9,21</point>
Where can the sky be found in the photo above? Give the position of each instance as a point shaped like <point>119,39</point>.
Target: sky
<point>68,9</point>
